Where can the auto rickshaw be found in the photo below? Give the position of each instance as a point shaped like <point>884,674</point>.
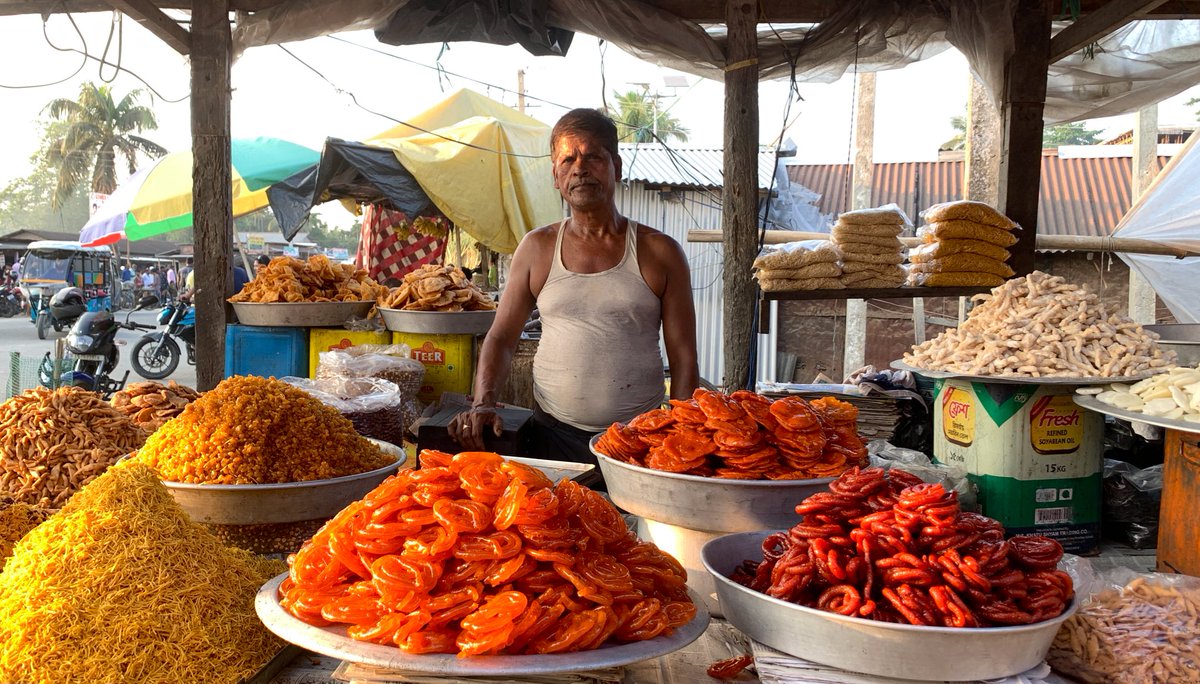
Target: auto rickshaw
<point>51,265</point>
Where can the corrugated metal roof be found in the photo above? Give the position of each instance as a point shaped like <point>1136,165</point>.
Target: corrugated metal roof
<point>685,167</point>
<point>1079,196</point>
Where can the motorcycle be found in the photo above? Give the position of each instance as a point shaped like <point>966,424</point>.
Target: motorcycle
<point>11,302</point>
<point>93,355</point>
<point>64,309</point>
<point>156,355</point>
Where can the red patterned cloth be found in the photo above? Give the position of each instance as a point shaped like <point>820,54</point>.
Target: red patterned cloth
<point>389,248</point>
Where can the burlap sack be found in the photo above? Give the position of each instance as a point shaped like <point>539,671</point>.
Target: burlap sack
<point>966,210</point>
<point>889,272</point>
<point>790,284</point>
<point>781,256</point>
<point>873,229</point>
<point>871,258</point>
<point>966,230</point>
<point>822,270</point>
<point>843,237</point>
<point>965,263</point>
<point>945,248</point>
<point>878,215</point>
<point>954,279</point>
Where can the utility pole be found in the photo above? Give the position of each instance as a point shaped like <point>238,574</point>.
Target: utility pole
<point>521,90</point>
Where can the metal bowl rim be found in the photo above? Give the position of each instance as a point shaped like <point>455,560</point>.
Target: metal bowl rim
<point>642,470</point>
<point>864,622</point>
<point>345,304</point>
<point>438,313</point>
<point>402,458</point>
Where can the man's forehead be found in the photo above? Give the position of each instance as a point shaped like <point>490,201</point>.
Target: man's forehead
<point>573,141</point>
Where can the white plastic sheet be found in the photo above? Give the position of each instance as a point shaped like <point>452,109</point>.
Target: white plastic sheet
<point>1169,212</point>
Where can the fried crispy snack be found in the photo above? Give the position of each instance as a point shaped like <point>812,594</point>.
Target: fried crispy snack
<point>150,404</point>
<point>286,279</point>
<point>436,288</point>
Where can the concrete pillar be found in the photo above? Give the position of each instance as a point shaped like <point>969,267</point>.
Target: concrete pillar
<point>854,353</point>
<point>1142,298</point>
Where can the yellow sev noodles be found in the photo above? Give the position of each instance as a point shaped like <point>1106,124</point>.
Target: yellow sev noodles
<point>252,430</point>
<point>120,586</point>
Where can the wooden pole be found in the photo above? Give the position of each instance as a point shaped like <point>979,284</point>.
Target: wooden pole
<point>854,352</point>
<point>1021,128</point>
<point>211,178</point>
<point>739,195</point>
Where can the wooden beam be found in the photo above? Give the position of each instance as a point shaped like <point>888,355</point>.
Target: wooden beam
<point>212,193</point>
<point>1094,26</point>
<point>148,15</point>
<point>739,195</point>
<point>10,8</point>
<point>774,11</point>
<point>1021,125</point>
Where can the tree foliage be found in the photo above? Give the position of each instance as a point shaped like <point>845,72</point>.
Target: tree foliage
<point>1194,101</point>
<point>29,202</point>
<point>327,236</point>
<point>639,119</point>
<point>1074,133</point>
<point>99,130</point>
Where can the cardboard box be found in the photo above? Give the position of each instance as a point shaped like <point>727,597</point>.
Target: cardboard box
<point>449,362</point>
<point>327,339</point>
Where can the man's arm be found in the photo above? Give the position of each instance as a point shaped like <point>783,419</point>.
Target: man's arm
<point>678,318</point>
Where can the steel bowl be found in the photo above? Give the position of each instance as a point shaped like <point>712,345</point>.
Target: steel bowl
<point>438,322</point>
<point>861,645</point>
<point>286,502</point>
<point>301,314</point>
<point>709,504</point>
<point>1181,338</point>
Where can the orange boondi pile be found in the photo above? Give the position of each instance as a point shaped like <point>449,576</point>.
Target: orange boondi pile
<point>478,555</point>
<point>743,436</point>
<point>286,279</point>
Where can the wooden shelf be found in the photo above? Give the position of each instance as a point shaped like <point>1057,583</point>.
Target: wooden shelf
<point>875,293</point>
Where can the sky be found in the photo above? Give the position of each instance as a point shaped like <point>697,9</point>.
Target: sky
<point>277,95</point>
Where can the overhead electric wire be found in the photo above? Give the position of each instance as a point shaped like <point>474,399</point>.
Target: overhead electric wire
<point>49,42</point>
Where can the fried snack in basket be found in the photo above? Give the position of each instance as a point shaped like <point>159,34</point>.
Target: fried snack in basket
<point>477,555</point>
<point>743,436</point>
<point>436,288</point>
<point>887,546</point>
<point>318,279</point>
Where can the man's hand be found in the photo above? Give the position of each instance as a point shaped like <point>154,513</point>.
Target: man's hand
<point>467,427</point>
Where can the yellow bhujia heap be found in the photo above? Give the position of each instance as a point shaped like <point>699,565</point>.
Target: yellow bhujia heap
<point>120,586</point>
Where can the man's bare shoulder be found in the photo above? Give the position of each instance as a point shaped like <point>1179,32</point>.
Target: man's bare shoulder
<point>657,241</point>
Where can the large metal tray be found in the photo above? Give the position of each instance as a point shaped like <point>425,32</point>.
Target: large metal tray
<point>1022,379</point>
<point>332,641</point>
<point>1093,404</point>
<point>286,502</point>
<point>438,322</point>
<point>301,314</point>
<point>705,503</point>
<point>861,645</point>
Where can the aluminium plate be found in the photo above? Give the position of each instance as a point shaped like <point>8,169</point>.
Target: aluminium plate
<point>1093,404</point>
<point>1023,379</point>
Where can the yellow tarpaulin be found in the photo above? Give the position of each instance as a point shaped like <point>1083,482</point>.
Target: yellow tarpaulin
<point>485,166</point>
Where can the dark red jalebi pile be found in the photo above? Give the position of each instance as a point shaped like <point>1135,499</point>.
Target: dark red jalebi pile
<point>890,547</point>
<point>742,436</point>
<point>478,555</point>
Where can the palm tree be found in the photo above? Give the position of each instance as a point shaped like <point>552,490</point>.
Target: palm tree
<point>99,128</point>
<point>639,119</point>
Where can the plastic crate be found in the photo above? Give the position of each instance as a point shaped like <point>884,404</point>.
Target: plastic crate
<point>266,351</point>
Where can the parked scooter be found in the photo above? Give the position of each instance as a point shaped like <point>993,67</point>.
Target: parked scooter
<point>11,301</point>
<point>156,355</point>
<point>92,345</point>
<point>66,306</point>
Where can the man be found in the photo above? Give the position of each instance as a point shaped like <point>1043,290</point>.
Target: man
<point>603,285</point>
<point>186,271</point>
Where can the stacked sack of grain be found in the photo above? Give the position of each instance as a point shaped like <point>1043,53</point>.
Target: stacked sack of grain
<point>869,240</point>
<point>965,243</point>
<point>808,265</point>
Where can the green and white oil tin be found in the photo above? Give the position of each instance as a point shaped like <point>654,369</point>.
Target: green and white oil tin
<point>1036,457</point>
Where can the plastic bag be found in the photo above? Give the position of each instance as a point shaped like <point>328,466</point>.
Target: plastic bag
<point>1130,503</point>
<point>797,255</point>
<point>966,263</point>
<point>952,477</point>
<point>1131,628</point>
<point>388,362</point>
<point>375,407</point>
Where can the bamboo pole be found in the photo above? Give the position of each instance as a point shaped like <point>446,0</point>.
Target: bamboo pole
<point>1078,243</point>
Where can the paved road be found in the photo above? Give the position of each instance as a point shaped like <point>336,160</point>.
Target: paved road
<point>17,334</point>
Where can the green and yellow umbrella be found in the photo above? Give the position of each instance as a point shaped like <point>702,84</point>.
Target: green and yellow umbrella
<point>158,198</point>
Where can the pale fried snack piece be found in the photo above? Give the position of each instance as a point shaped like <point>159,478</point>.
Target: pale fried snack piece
<point>945,248</point>
<point>968,230</point>
<point>318,279</point>
<point>967,210</point>
<point>971,263</point>
<point>436,288</point>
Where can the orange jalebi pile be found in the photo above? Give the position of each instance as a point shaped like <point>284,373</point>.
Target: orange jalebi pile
<point>481,556</point>
<point>743,436</point>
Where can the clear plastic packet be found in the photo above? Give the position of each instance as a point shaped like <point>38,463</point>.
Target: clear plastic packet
<point>885,455</point>
<point>1130,502</point>
<point>791,255</point>
<point>376,407</point>
<point>1131,628</point>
